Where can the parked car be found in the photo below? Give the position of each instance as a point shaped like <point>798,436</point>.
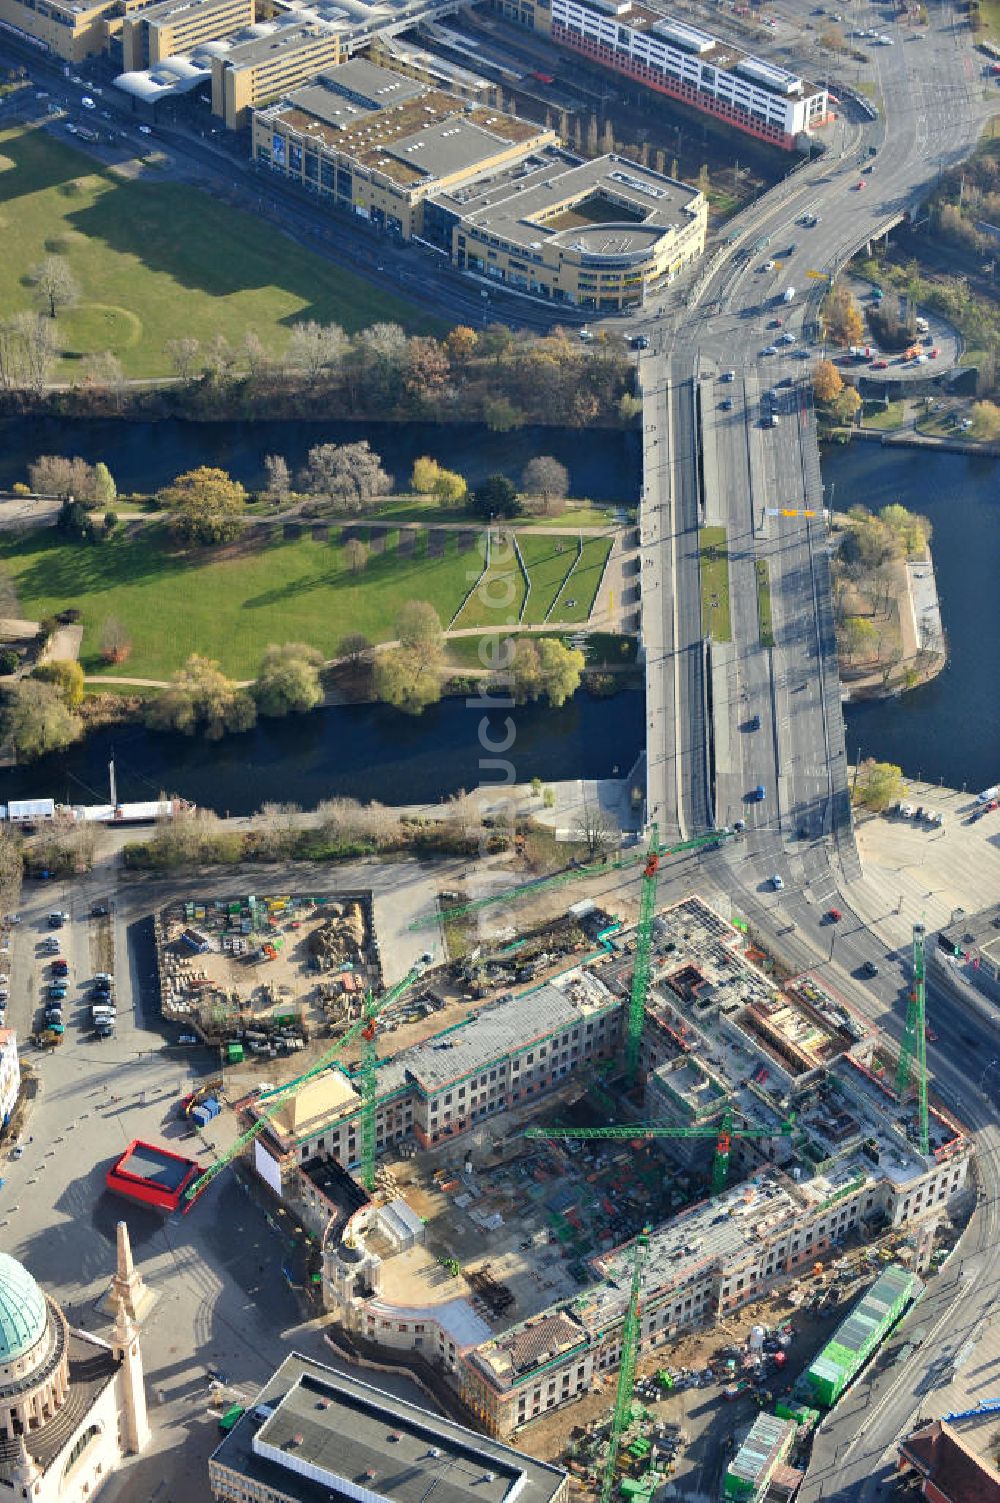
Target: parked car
<point>56,920</point>
<point>777,883</point>
<point>834,915</point>
<point>869,968</point>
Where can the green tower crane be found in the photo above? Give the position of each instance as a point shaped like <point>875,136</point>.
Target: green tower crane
<point>914,1045</point>
<point>622,1416</point>
<point>271,1103</point>
<point>574,874</point>
<point>643,960</point>
<point>723,1134</point>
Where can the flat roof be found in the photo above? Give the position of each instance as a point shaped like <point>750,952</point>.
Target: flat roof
<point>323,1434</point>
<point>517,202</point>
<point>157,1166</point>
<point>167,10</point>
<point>285,36</point>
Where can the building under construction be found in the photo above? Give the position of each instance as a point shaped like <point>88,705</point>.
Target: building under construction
<point>764,1124</point>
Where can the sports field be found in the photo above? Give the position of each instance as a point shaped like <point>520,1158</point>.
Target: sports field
<point>156,259</point>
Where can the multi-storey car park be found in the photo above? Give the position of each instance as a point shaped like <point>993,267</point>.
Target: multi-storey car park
<point>527,1327</point>
<point>675,58</point>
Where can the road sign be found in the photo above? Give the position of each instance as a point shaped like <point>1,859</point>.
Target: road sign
<point>819,276</point>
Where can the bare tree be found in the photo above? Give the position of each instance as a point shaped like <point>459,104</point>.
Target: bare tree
<point>355,649</point>
<point>547,478</point>
<point>103,372</point>
<point>28,351</point>
<point>315,347</point>
<point>254,352</point>
<point>348,473</point>
<point>357,555</point>
<point>598,831</point>
<point>54,283</point>
<point>220,358</point>
<point>182,354</point>
<point>279,479</point>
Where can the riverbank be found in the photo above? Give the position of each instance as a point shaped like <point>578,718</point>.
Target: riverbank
<point>889,631</point>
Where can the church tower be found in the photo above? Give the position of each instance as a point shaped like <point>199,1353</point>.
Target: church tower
<point>129,1292</point>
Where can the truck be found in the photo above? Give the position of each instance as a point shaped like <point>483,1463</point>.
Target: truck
<point>788,295</point>
<point>863,351</point>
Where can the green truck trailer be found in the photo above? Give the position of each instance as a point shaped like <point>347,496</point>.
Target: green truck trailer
<point>861,1334</point>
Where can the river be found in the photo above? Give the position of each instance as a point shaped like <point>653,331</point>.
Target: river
<point>604,464</point>
<point>949,729</point>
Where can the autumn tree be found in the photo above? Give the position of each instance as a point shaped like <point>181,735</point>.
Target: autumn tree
<point>427,368</point>
<point>431,479</point>
<point>55,285</point>
<point>525,673</point>
<point>206,506</point>
<point>828,383</point>
<point>102,491</point>
<point>879,784</point>
<point>419,630</point>
<point>115,641</point>
<point>859,637</point>
<point>200,697</point>
<point>842,319</point>
<point>66,677</point>
<point>461,344</point>
<point>985,421</point>
<point>562,669</point>
<point>35,720</point>
<point>910,531</point>
<point>847,405</point>
<point>547,479</point>
<point>288,679</point>
<point>401,679</point>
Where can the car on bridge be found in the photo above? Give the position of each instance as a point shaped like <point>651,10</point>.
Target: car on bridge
<point>777,883</point>
<point>771,349</point>
<point>726,405</point>
<point>757,795</point>
<point>728,376</point>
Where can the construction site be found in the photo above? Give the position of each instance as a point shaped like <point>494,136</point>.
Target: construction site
<point>651,1170</point>
<point>262,976</point>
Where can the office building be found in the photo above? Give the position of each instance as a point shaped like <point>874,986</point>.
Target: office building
<point>71,29</point>
<point>494,193</point>
<point>279,56</point>
<point>315,1433</point>
<point>172,27</point>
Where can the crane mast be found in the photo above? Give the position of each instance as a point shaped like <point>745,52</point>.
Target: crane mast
<point>626,1371</point>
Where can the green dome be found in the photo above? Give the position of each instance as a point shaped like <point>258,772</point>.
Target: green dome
<point>23,1312</point>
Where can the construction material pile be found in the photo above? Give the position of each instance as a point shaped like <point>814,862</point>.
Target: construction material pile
<point>340,940</point>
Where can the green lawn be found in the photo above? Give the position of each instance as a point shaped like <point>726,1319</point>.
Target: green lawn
<point>714,583</point>
<point>548,560</point>
<point>228,608</point>
<point>885,417</point>
<point>157,259</point>
<point>581,586</point>
<point>498,596</point>
<point>765,624</point>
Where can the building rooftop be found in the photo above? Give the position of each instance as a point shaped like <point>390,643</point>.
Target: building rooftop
<point>956,1458</point>
<point>608,207</point>
<point>172,10</point>
<point>405,130</point>
<point>272,39</point>
<point>318,1435</point>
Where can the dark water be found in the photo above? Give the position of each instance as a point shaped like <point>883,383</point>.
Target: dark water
<point>604,465</point>
<point>357,751</point>
<point>950,728</point>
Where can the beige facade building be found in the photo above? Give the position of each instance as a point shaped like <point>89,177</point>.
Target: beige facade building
<point>283,55</point>
<point>151,35</point>
<point>71,30</point>
<point>496,194</point>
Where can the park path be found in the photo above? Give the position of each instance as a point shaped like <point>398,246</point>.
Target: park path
<point>544,629</point>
